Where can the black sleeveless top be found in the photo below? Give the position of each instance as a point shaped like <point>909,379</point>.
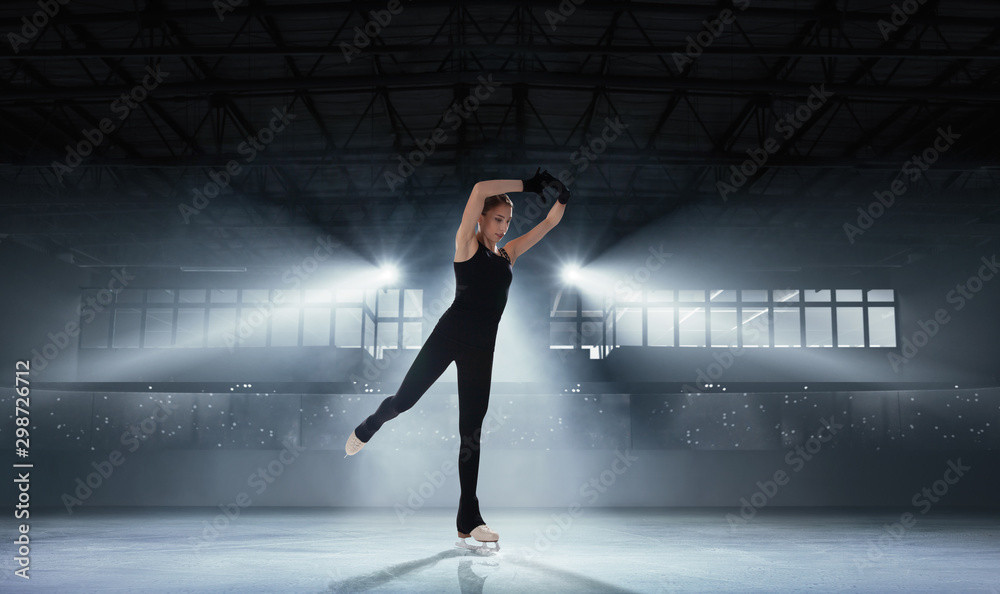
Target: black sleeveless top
<point>481,285</point>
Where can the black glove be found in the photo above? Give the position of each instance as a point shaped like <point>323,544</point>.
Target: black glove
<point>563,197</point>
<point>543,180</point>
<point>562,192</point>
<point>534,183</point>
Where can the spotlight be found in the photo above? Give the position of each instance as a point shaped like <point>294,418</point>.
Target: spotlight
<point>571,273</point>
<point>388,274</point>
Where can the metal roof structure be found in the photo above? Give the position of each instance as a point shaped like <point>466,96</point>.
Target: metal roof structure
<point>168,133</point>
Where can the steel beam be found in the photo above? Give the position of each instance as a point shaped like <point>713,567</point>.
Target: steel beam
<point>332,85</point>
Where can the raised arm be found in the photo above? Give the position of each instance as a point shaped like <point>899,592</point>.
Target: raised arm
<point>474,207</point>
<point>519,245</point>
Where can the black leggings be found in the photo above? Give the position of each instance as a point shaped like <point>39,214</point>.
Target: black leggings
<point>475,368</point>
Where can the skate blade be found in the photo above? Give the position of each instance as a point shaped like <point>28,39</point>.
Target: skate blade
<point>480,549</point>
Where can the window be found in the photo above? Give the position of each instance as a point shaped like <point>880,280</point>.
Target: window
<point>126,332</point>
<point>629,326</point>
<point>728,318</point>
<point>285,322</point>
<point>388,337</point>
<point>583,320</point>
<point>388,303</point>
<point>251,329</point>
<point>190,328</point>
<point>850,327</point>
<point>253,318</point>
<point>159,328</point>
<point>787,327</point>
<point>819,327</point>
<point>562,335</point>
<point>692,326</point>
<point>756,327</point>
<point>413,335</point>
<point>161,295</point>
<point>724,295</point>
<point>661,325</point>
<point>191,296</point>
<point>95,318</point>
<point>348,323</point>
<point>316,327</point>
<point>222,327</point>
<point>882,327</point>
<point>754,296</point>
<point>724,326</point>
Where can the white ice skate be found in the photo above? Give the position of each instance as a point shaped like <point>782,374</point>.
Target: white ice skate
<point>483,535</point>
<point>354,445</point>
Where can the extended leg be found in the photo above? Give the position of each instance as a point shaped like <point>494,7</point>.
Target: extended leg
<point>434,357</point>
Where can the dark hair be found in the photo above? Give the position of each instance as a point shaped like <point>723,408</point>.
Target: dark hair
<point>494,201</point>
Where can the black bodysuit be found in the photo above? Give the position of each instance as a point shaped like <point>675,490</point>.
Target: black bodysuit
<point>481,286</point>
<point>466,335</point>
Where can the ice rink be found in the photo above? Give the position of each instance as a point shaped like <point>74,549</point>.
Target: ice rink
<point>541,550</point>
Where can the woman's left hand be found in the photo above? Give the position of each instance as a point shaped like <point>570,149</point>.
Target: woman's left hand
<point>563,197</point>
<point>548,181</point>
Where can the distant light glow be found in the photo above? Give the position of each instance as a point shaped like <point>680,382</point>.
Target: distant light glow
<point>571,274</point>
<point>388,274</point>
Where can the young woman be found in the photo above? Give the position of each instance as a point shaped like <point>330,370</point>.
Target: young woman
<point>467,330</point>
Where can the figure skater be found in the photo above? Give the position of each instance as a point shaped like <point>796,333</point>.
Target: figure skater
<point>467,330</point>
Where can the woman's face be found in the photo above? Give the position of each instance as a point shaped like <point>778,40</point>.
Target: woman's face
<point>494,223</point>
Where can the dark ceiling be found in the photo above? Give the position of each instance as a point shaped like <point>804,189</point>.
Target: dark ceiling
<point>694,85</point>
